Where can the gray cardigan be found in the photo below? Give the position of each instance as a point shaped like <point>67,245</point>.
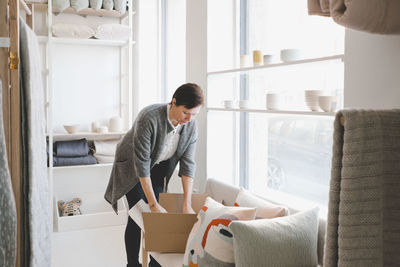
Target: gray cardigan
<point>141,147</point>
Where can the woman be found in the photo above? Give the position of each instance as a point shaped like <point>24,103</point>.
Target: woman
<point>162,136</point>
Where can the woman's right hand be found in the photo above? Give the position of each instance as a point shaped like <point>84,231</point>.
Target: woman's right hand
<point>157,208</point>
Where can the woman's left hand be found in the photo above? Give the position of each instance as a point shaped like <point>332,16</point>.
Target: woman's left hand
<point>187,209</point>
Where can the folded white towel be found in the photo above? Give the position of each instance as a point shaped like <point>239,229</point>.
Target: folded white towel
<point>106,147</point>
<point>113,32</point>
<point>101,159</point>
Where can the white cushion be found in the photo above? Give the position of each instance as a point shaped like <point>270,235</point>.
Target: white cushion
<point>78,5</point>
<point>120,6</point>
<point>61,4</point>
<point>95,4</point>
<point>72,30</point>
<point>108,4</point>
<point>113,32</point>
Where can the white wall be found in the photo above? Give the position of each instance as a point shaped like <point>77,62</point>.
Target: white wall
<point>372,76</point>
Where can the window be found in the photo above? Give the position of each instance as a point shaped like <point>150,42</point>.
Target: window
<point>288,152</point>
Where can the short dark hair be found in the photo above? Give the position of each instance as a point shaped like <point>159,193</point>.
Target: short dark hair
<point>189,95</point>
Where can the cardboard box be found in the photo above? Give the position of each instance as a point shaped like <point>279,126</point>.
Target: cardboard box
<point>168,232</point>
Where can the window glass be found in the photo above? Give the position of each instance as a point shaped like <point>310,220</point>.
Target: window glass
<point>175,67</point>
<point>283,152</point>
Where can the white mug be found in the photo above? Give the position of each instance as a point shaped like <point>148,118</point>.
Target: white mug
<point>244,103</point>
<point>273,101</point>
<point>245,61</point>
<point>94,126</point>
<point>115,124</point>
<point>228,103</point>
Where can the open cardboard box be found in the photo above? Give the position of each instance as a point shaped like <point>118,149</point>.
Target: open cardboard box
<point>168,232</point>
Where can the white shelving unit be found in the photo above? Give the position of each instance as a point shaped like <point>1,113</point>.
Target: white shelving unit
<point>278,64</point>
<point>286,112</point>
<point>94,42</point>
<point>245,70</point>
<point>245,135</point>
<point>69,57</point>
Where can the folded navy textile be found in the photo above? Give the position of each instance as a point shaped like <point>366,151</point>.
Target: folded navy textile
<point>70,161</point>
<point>71,148</point>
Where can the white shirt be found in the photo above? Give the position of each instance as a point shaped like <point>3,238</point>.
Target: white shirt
<point>171,140</point>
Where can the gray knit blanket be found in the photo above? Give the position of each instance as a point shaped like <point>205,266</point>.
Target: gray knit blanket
<point>35,190</point>
<point>363,227</point>
<point>8,212</point>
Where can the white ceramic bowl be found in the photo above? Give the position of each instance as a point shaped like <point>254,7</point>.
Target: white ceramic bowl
<point>71,128</point>
<point>311,99</point>
<point>327,103</point>
<point>244,103</point>
<point>270,59</point>
<point>291,54</point>
<point>228,103</point>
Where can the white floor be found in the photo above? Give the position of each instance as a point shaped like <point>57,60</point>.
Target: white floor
<point>99,247</point>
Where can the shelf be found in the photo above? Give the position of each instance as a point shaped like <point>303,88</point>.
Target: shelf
<point>279,64</point>
<point>104,165</point>
<point>87,135</point>
<point>86,11</point>
<point>77,41</point>
<point>285,112</point>
<point>96,212</point>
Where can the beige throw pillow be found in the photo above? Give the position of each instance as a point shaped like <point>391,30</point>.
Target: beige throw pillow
<point>264,208</point>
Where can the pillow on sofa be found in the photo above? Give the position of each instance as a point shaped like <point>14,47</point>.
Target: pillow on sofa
<point>120,6</point>
<point>264,208</point>
<point>108,4</point>
<point>286,241</point>
<point>210,241</point>
<point>72,30</point>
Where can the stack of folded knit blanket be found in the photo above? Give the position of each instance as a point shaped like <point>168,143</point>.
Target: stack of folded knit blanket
<point>72,152</point>
<point>105,150</point>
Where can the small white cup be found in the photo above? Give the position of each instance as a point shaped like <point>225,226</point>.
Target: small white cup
<point>244,103</point>
<point>94,126</point>
<point>102,129</point>
<point>245,61</point>
<point>116,124</point>
<point>273,101</point>
<point>270,59</point>
<point>228,103</point>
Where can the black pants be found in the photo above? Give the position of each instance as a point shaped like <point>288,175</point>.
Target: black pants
<point>133,232</point>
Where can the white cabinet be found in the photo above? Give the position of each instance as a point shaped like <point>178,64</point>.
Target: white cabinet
<point>86,80</point>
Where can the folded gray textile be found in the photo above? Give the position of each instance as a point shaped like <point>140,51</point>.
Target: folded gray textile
<point>374,16</point>
<point>70,161</point>
<point>71,148</point>
<point>8,213</point>
<point>363,226</point>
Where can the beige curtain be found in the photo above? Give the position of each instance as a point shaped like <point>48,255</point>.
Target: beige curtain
<point>374,16</point>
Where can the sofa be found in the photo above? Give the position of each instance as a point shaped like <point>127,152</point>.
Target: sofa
<point>226,194</point>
